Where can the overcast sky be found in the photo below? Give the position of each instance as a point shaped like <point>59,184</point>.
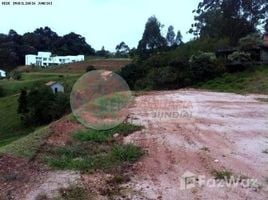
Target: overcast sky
<point>101,22</point>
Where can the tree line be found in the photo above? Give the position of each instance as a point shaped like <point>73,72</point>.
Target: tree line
<point>218,24</point>
<point>14,47</point>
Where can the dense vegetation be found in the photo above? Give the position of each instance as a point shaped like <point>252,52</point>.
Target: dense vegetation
<point>41,106</point>
<point>168,63</point>
<point>14,47</point>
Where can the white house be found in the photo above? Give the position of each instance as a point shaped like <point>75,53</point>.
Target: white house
<point>55,86</point>
<point>2,74</point>
<point>46,59</point>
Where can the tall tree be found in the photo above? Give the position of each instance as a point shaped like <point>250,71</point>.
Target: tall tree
<point>152,38</point>
<point>170,36</point>
<point>215,17</point>
<point>122,49</point>
<point>178,39</point>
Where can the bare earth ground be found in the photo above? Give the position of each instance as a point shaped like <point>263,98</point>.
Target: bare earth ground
<point>185,131</point>
<point>222,132</point>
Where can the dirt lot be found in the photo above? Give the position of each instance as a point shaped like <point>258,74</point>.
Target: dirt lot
<point>213,131</point>
<point>185,131</point>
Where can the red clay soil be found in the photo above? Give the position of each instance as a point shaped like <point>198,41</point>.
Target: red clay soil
<point>23,179</point>
<point>18,176</point>
<point>218,131</point>
<point>62,132</point>
<point>185,131</point>
<point>80,67</point>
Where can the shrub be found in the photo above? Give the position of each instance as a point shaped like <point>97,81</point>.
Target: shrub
<point>127,153</point>
<point>90,68</point>
<point>205,66</point>
<point>222,175</point>
<point>41,106</point>
<point>238,61</point>
<point>2,92</point>
<point>239,57</point>
<point>15,75</point>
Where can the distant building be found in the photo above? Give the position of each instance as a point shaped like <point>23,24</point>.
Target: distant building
<point>45,59</point>
<point>258,53</point>
<point>3,74</point>
<point>55,86</point>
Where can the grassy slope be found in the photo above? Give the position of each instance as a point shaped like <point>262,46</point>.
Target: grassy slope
<point>29,80</point>
<point>11,127</point>
<point>243,82</point>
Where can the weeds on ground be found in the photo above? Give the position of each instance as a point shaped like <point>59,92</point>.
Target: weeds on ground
<point>123,129</point>
<point>92,150</point>
<point>222,175</point>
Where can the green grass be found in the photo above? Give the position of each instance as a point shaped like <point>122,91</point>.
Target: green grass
<point>11,127</point>
<point>222,175</point>
<point>29,80</point>
<point>127,153</point>
<point>73,193</point>
<point>84,160</point>
<point>94,149</point>
<point>250,81</point>
<point>27,146</point>
<point>103,136</point>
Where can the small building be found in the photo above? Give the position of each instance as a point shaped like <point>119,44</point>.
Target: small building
<point>3,74</point>
<point>258,53</point>
<point>55,86</point>
<point>45,59</point>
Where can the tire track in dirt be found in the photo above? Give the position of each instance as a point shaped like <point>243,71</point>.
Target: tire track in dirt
<point>225,132</point>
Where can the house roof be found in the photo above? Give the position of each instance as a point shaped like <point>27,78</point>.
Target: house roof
<point>50,83</point>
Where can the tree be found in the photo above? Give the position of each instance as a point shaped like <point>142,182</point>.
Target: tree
<point>266,26</point>
<point>22,102</point>
<point>170,36</point>
<point>41,106</point>
<point>122,49</point>
<point>215,17</point>
<point>152,38</point>
<point>14,47</point>
<point>178,39</point>
<point>103,52</point>
<point>250,41</point>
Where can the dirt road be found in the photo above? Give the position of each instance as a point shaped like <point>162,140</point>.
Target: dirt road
<point>200,133</point>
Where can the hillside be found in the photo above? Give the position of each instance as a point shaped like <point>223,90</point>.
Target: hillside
<point>250,81</point>
<point>11,127</point>
<point>80,67</point>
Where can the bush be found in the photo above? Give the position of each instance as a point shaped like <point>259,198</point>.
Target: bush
<point>41,106</point>
<point>15,75</point>
<point>238,61</point>
<point>127,153</point>
<point>90,68</point>
<point>205,66</point>
<point>2,92</point>
<point>239,57</point>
